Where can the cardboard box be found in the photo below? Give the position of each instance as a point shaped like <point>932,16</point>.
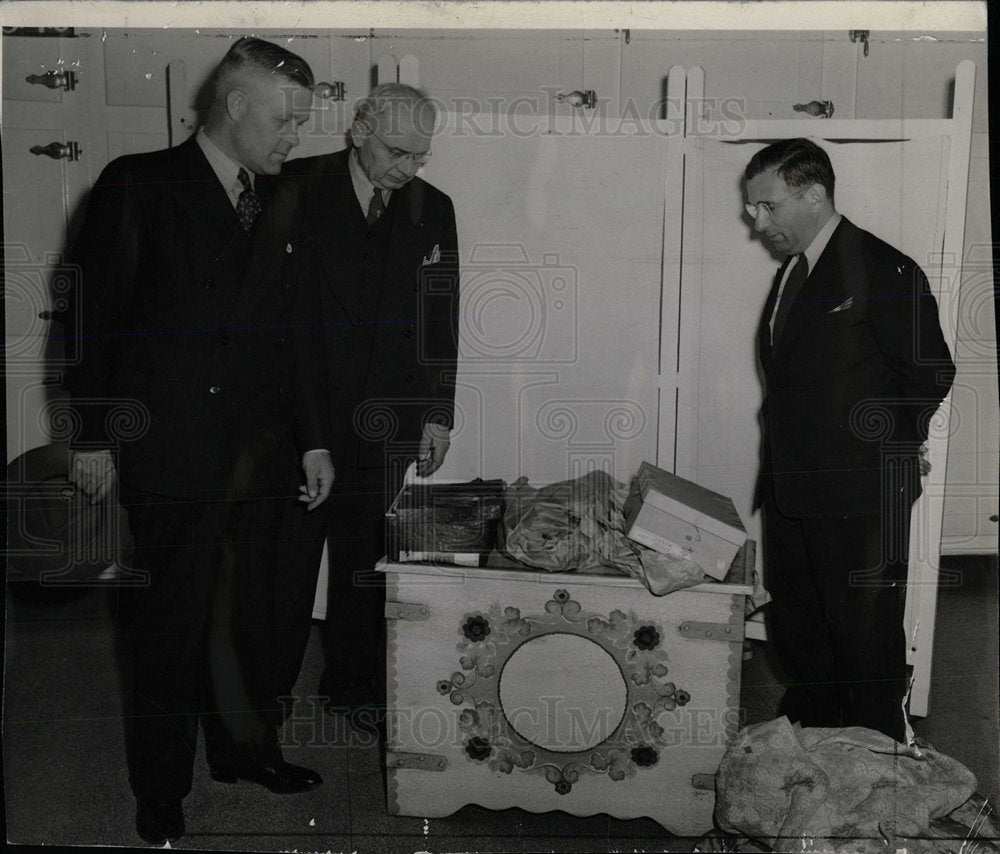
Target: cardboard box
<point>684,520</point>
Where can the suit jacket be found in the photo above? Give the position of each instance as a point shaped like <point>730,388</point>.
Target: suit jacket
<point>859,370</point>
<point>186,360</point>
<point>389,303</point>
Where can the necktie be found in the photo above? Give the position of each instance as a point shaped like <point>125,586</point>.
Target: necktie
<point>376,207</point>
<point>247,205</point>
<point>789,294</point>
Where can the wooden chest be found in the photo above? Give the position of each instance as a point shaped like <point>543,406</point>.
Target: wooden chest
<point>583,692</point>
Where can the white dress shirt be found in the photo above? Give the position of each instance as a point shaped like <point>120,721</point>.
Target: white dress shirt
<point>812,253</point>
<point>225,168</point>
<point>363,188</point>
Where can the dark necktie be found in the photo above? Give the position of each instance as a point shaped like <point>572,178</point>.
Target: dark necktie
<point>248,205</point>
<point>789,294</point>
<point>376,207</point>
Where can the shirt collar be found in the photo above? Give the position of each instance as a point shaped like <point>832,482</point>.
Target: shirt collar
<point>363,188</point>
<point>815,249</point>
<point>225,168</point>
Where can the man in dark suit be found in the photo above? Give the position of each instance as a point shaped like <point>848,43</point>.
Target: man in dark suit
<point>385,256</point>
<point>855,365</point>
<point>191,390</point>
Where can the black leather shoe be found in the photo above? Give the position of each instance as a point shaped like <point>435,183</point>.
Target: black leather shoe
<point>282,779</point>
<point>158,820</point>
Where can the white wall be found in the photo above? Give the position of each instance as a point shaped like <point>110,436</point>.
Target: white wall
<point>756,75</point>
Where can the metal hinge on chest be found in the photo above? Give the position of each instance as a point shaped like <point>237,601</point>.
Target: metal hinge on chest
<point>406,611</point>
<point>417,761</point>
<point>725,632</point>
<point>703,782</point>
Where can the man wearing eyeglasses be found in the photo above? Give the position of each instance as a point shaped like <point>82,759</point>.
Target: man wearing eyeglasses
<point>855,365</point>
<point>384,254</point>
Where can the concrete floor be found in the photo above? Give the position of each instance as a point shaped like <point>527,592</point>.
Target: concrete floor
<point>65,779</point>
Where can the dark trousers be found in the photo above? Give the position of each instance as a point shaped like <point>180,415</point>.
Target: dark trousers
<point>217,633</point>
<point>353,520</point>
<point>836,619</point>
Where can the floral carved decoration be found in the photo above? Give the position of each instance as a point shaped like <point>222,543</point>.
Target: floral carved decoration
<point>487,641</point>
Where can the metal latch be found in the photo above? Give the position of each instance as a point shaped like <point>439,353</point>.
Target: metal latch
<point>704,782</point>
<point>406,611</point>
<point>417,761</point>
<point>725,632</point>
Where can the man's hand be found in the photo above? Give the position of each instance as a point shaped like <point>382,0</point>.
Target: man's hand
<point>319,478</point>
<point>93,472</point>
<point>434,444</point>
<point>922,461</point>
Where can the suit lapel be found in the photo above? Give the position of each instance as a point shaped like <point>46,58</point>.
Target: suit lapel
<point>204,200</point>
<point>824,288</point>
<point>340,213</point>
<point>407,248</point>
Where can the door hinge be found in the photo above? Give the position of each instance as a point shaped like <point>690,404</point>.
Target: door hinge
<point>704,782</point>
<point>406,611</point>
<point>725,632</point>
<point>417,761</point>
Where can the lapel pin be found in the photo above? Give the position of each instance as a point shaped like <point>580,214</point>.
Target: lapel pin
<point>288,248</point>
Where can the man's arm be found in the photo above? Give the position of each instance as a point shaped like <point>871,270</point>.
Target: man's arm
<point>440,287</point>
<point>107,255</point>
<point>286,227</point>
<point>904,317</point>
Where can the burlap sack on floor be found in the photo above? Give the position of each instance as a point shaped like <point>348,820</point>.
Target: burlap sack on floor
<point>790,788</point>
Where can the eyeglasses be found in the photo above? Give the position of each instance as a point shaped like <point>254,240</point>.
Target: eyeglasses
<point>398,155</point>
<point>770,207</point>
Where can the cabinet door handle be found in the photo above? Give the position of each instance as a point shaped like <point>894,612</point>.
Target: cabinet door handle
<point>823,109</point>
<point>58,150</point>
<point>578,99</point>
<point>64,79</point>
<point>336,91</point>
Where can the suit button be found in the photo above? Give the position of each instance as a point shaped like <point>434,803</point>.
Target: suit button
<point>285,285</point>
<point>280,339</point>
<point>207,284</point>
<point>214,389</point>
<point>224,340</point>
<point>409,378</point>
<point>407,333</point>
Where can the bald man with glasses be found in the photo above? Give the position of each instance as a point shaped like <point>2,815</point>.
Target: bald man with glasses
<point>383,250</point>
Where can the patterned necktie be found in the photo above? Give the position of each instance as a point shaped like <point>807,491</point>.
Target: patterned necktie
<point>248,205</point>
<point>796,278</point>
<point>376,207</point>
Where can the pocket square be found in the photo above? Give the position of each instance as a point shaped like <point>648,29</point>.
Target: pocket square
<point>434,257</point>
<point>846,304</point>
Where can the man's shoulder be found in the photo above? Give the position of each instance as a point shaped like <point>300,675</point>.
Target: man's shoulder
<point>146,167</point>
<point>432,198</point>
<point>869,248</point>
<point>316,166</point>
